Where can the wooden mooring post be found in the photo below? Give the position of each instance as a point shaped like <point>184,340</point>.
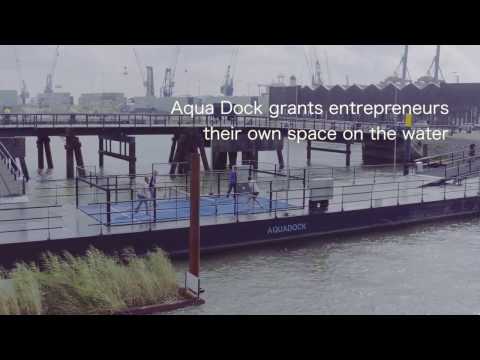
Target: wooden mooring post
<point>43,147</point>
<point>73,149</point>
<point>194,232</point>
<point>126,150</point>
<point>69,149</point>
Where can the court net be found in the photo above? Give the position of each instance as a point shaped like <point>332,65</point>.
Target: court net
<point>182,196</point>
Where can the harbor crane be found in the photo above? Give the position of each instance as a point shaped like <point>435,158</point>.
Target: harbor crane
<point>147,81</point>
<point>328,69</point>
<point>314,67</point>
<point>395,78</point>
<point>24,94</point>
<point>50,75</point>
<point>227,87</point>
<point>435,65</point>
<point>140,66</point>
<point>169,76</point>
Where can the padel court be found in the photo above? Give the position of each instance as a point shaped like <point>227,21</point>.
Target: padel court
<point>124,212</point>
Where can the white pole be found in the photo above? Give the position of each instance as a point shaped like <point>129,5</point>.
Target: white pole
<point>288,154</point>
<point>395,142</point>
<point>296,119</point>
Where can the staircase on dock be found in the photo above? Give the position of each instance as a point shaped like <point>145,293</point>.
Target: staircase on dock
<point>12,182</point>
<point>455,165</point>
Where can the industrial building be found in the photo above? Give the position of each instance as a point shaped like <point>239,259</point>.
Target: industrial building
<point>54,102</point>
<point>157,104</point>
<point>165,104</point>
<point>9,100</point>
<point>463,99</point>
<point>102,102</point>
<point>242,100</point>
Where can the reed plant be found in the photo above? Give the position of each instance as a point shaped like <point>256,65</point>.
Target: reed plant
<point>92,284</point>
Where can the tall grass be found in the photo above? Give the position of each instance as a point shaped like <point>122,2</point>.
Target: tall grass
<point>90,284</point>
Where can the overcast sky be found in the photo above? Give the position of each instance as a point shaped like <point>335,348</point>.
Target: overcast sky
<point>85,68</point>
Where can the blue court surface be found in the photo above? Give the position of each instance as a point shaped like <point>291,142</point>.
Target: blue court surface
<point>179,209</point>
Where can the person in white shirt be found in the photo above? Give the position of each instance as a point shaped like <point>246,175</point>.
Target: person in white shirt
<point>144,195</point>
<point>252,196</point>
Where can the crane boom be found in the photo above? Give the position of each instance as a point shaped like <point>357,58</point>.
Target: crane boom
<point>328,69</point>
<point>234,60</point>
<point>436,61</point>
<point>307,60</point>
<point>140,67</point>
<point>313,65</point>
<point>23,86</point>
<point>227,86</point>
<point>175,61</point>
<point>50,75</point>
<point>148,79</point>
<point>404,65</point>
<point>437,71</point>
<point>169,76</point>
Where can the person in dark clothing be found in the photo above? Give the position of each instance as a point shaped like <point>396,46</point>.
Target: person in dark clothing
<point>143,196</point>
<point>232,181</point>
<point>471,153</point>
<point>153,183</point>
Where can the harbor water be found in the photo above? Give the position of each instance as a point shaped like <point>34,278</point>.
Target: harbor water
<point>422,269</point>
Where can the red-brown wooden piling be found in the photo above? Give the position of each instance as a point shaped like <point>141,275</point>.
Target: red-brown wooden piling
<point>40,144</point>
<point>69,147</point>
<point>309,152</point>
<point>194,233</point>
<point>48,152</point>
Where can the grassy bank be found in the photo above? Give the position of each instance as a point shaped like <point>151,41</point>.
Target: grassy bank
<point>90,284</point>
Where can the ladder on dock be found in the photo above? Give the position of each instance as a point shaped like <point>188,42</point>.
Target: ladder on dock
<point>445,158</point>
<point>455,165</point>
<point>12,182</point>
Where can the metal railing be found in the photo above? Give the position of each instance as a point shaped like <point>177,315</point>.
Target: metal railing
<point>216,182</point>
<point>460,167</point>
<point>445,158</point>
<point>149,120</point>
<point>40,216</point>
<point>280,199</point>
<point>10,164</point>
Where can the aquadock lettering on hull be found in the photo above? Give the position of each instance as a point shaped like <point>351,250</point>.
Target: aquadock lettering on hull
<point>278,229</point>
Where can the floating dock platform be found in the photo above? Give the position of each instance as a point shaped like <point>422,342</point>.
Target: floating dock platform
<point>100,210</point>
